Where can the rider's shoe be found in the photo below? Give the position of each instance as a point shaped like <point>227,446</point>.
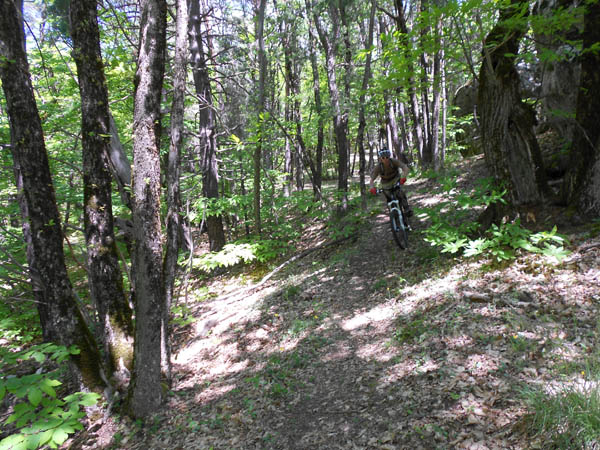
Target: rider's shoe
<point>409,212</point>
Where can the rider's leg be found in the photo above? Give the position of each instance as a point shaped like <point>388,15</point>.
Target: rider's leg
<point>405,205</point>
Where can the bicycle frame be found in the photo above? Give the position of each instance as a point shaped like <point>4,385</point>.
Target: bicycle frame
<point>394,204</point>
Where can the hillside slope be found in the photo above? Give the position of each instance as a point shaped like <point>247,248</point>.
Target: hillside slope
<point>362,345</point>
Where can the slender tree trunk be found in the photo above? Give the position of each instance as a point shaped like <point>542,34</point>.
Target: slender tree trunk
<point>262,73</point>
<point>287,186</point>
<point>104,273</point>
<point>173,173</point>
<point>361,105</point>
<point>340,120</point>
<point>412,92</point>
<point>206,124</point>
<point>318,174</point>
<point>437,91</point>
<point>146,394</point>
<point>509,143</point>
<point>60,317</point>
<point>582,183</point>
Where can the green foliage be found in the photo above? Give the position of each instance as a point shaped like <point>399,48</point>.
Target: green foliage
<point>501,242</point>
<point>240,252</point>
<point>39,416</point>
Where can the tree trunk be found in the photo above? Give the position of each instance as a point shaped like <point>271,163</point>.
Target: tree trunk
<point>173,173</point>
<point>318,174</point>
<point>437,91</point>
<point>582,183</point>
<point>60,317</point>
<point>206,124</point>
<point>104,273</point>
<point>340,120</point>
<point>146,393</point>
<point>288,168</point>
<point>361,105</point>
<point>412,92</point>
<point>510,146</point>
<point>262,73</point>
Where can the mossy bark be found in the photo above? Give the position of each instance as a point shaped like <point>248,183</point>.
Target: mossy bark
<point>104,273</point>
<point>61,320</point>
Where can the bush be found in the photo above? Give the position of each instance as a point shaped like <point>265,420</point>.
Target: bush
<point>39,417</point>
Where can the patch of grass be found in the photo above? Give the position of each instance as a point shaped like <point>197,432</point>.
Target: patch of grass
<point>380,284</point>
<point>566,420</point>
<point>291,292</point>
<point>410,332</point>
<point>298,326</point>
<point>519,344</point>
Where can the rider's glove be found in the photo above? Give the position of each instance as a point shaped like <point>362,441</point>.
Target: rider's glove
<point>402,180</point>
<point>373,191</point>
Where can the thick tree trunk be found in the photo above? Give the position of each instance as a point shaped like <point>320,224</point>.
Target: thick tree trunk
<point>582,183</point>
<point>507,123</point>
<point>146,393</point>
<point>60,317</point>
<point>104,273</point>
<point>206,124</point>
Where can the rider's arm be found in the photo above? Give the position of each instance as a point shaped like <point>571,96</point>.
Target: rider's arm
<point>402,167</point>
<point>374,175</point>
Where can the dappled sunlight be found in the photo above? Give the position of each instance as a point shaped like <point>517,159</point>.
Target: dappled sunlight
<point>382,312</point>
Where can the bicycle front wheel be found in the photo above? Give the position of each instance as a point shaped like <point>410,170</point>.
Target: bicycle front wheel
<point>399,230</point>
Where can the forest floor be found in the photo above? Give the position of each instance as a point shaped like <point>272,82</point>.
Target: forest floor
<point>361,345</point>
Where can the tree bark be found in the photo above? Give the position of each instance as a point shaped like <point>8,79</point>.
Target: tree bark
<point>340,119</point>
<point>582,183</point>
<point>146,393</point>
<point>361,105</point>
<point>104,273</point>
<point>318,174</point>
<point>510,146</point>
<point>60,317</point>
<point>262,73</point>
<point>206,124</point>
<point>412,92</point>
<point>173,173</point>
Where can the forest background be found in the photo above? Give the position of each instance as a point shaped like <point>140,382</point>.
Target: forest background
<point>146,142</point>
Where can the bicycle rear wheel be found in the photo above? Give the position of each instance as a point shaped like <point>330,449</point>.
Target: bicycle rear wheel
<point>399,230</point>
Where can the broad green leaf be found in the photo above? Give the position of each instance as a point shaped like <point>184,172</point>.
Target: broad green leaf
<point>13,442</point>
<point>89,399</point>
<point>59,436</point>
<point>34,396</point>
<point>47,386</point>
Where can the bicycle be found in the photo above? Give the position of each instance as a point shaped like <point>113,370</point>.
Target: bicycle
<point>398,217</point>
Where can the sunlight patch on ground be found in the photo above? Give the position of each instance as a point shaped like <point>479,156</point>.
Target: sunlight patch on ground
<point>362,319</point>
<point>432,200</point>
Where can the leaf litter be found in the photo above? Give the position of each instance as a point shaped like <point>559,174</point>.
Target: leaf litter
<point>364,346</point>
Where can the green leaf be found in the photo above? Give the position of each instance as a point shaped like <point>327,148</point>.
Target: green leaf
<point>2,390</point>
<point>13,442</point>
<point>34,396</point>
<point>47,386</point>
<point>89,399</point>
<point>59,436</point>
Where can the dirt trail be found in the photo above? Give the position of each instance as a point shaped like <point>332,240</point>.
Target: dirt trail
<point>365,346</point>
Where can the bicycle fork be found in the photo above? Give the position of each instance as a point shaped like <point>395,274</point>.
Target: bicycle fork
<point>394,205</point>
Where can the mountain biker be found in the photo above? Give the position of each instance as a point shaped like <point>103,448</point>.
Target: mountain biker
<point>389,170</point>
